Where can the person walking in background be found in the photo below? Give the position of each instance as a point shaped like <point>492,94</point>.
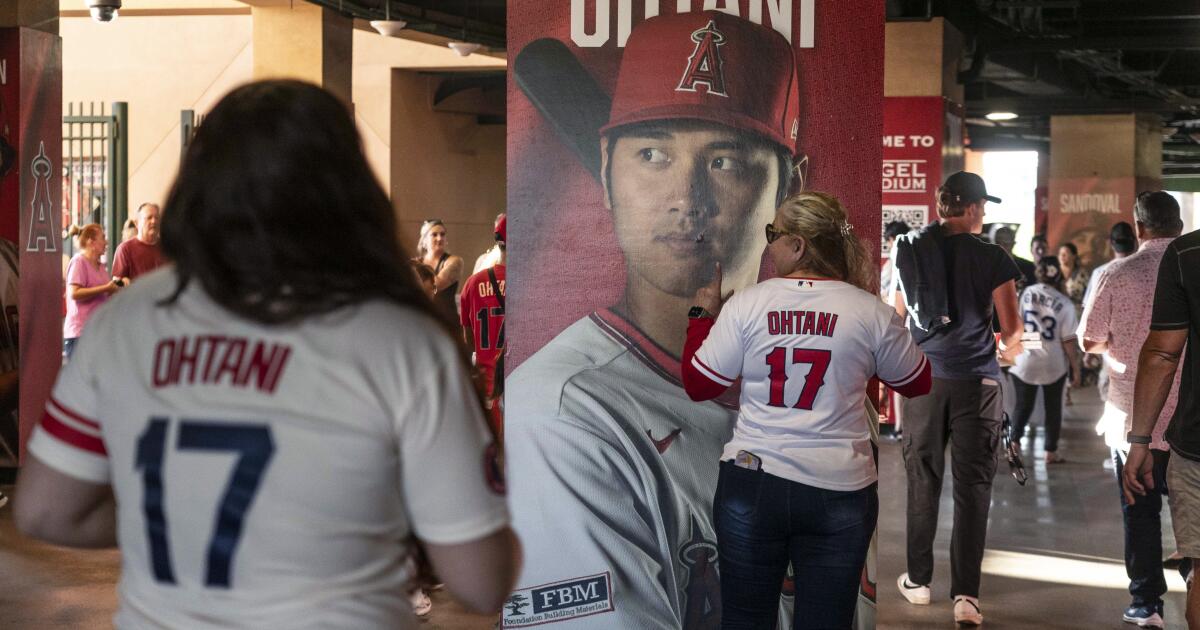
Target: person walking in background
<point>493,255</point>
<point>1006,239</point>
<point>1045,310</point>
<point>892,231</point>
<point>1116,323</point>
<point>447,268</point>
<point>130,230</point>
<point>1039,247</point>
<point>798,480</point>
<point>141,255</point>
<point>88,284</point>
<point>1075,282</point>
<point>1174,325</point>
<point>1123,241</point>
<point>951,282</point>
<point>482,322</point>
<point>1075,278</point>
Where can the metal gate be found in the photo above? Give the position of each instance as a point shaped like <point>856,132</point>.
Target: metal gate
<point>95,169</point>
<point>189,124</point>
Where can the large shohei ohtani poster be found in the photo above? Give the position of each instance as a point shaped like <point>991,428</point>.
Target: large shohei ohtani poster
<point>648,141</point>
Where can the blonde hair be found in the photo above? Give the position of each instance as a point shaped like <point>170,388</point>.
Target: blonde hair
<point>833,250</point>
<point>426,228</point>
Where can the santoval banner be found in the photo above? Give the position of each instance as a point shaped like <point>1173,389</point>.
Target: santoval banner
<point>1082,210</point>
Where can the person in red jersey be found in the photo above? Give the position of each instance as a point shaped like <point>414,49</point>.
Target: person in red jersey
<point>482,319</point>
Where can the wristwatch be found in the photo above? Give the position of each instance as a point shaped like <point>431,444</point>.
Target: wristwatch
<point>699,311</point>
<point>1132,438</point>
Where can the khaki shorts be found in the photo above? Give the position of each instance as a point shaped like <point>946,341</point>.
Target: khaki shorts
<point>1183,484</point>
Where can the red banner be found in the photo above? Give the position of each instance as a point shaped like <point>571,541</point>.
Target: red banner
<point>30,193</point>
<point>920,133</point>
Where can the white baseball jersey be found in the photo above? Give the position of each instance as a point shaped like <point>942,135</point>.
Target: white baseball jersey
<point>1049,312</point>
<point>805,350</point>
<point>270,476</point>
<point>612,472</point>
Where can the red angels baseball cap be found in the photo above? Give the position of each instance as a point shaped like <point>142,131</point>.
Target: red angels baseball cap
<point>709,66</point>
<point>501,228</point>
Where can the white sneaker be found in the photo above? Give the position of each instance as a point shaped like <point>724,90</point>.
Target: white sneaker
<point>966,611</point>
<point>3,499</point>
<point>915,593</point>
<point>421,604</point>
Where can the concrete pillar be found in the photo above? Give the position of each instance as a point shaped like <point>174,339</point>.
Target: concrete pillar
<point>922,116</point>
<point>303,41</point>
<point>921,59</point>
<point>1098,164</point>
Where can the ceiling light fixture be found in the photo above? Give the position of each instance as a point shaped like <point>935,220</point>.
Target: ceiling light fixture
<point>1001,116</point>
<point>464,48</point>
<point>387,26</point>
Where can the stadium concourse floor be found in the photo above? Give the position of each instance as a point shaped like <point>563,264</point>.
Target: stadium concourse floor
<point>1055,546</point>
<point>44,587</point>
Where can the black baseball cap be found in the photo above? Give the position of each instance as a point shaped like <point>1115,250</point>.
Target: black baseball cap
<point>964,187</point>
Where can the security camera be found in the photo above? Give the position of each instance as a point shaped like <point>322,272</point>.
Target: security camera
<point>103,10</point>
<point>388,28</point>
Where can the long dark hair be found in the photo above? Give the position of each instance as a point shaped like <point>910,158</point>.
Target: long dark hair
<point>276,213</point>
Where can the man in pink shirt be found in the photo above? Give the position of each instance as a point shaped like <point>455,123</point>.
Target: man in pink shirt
<point>141,255</point>
<point>1116,324</point>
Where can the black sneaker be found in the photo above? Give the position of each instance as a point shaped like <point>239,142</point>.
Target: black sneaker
<point>1143,616</point>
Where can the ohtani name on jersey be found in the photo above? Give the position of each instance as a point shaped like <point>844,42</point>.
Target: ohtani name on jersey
<point>485,289</point>
<point>801,323</point>
<point>219,360</point>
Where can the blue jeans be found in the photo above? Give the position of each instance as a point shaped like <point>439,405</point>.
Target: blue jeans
<point>763,522</point>
<point>1143,534</point>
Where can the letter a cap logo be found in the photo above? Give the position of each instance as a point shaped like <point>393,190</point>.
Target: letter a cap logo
<point>709,66</point>
<point>704,66</point>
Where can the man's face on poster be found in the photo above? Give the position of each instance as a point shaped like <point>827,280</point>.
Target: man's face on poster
<point>686,194</point>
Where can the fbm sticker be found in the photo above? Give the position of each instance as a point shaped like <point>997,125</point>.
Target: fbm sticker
<point>559,601</point>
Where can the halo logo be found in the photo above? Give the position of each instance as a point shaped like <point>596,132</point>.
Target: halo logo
<point>704,66</point>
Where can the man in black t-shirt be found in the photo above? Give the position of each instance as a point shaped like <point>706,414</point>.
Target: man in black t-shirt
<point>1175,323</point>
<point>951,283</point>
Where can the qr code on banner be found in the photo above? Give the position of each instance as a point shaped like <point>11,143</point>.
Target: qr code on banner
<point>914,216</point>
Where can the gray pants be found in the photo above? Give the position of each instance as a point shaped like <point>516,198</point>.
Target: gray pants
<point>967,415</point>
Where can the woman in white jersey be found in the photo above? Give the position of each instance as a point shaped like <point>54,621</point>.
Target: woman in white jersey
<point>798,478</point>
<point>1051,313</point>
<point>270,426</point>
